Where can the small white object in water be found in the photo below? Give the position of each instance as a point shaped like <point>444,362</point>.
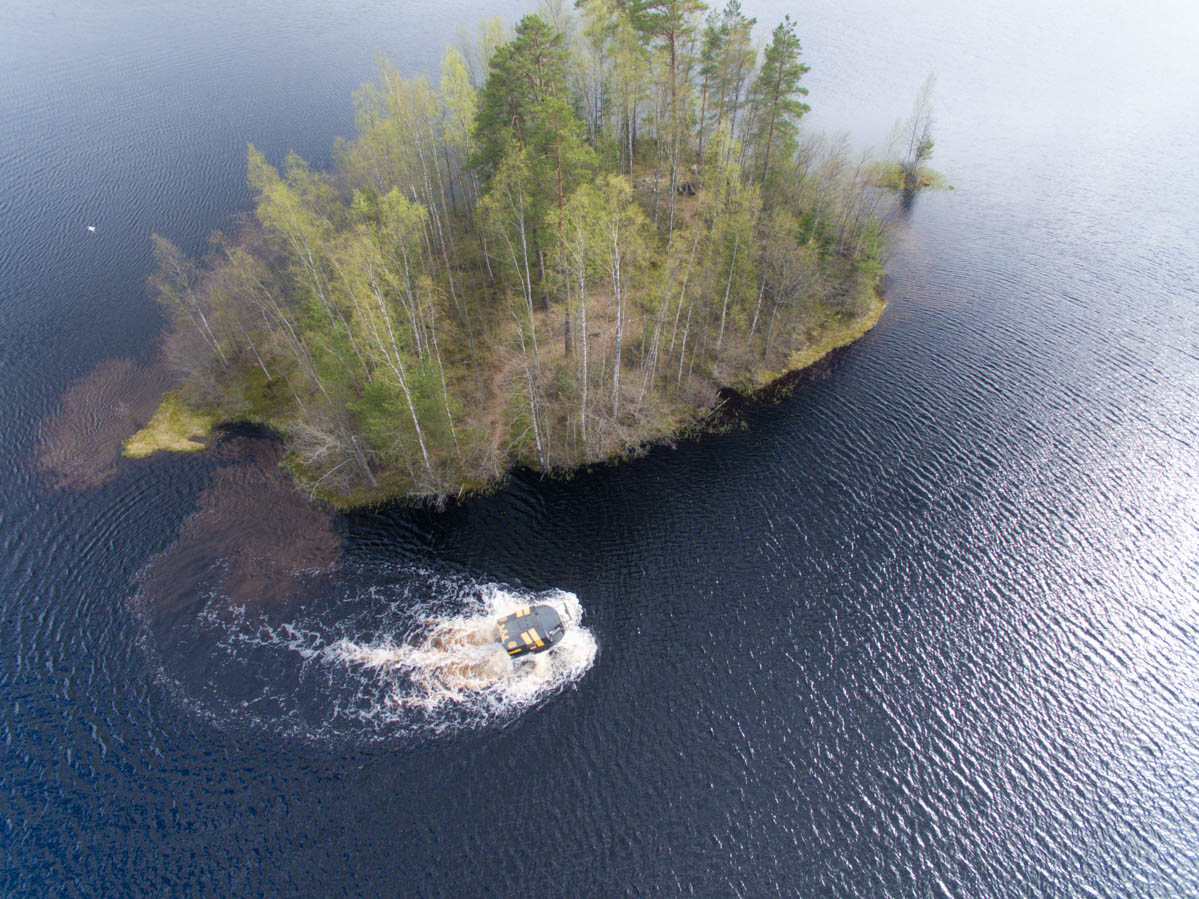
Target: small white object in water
<point>91,227</point>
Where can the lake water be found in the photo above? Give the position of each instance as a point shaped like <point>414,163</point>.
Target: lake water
<point>930,626</point>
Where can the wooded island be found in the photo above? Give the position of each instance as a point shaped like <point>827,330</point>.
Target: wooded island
<point>558,253</point>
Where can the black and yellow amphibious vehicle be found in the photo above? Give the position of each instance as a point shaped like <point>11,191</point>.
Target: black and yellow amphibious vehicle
<point>531,629</point>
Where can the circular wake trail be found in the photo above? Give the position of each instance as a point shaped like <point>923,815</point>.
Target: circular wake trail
<point>407,655</point>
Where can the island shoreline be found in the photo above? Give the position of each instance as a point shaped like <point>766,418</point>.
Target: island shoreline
<point>159,438</point>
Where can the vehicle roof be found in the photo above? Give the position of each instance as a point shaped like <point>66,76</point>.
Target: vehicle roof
<point>530,629</point>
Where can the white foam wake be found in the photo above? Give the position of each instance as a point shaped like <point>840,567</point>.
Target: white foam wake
<point>456,661</point>
<point>409,654</point>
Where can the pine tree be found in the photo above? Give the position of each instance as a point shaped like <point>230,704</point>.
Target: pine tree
<point>775,94</point>
<point>671,22</point>
<point>527,99</point>
<point>526,104</point>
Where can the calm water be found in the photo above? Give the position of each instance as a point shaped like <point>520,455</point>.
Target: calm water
<point>929,626</point>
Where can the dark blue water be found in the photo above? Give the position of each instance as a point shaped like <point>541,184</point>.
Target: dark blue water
<point>928,626</point>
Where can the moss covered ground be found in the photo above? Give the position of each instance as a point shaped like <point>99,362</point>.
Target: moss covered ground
<point>174,428</point>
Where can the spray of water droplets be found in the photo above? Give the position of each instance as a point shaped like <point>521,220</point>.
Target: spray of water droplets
<point>412,655</point>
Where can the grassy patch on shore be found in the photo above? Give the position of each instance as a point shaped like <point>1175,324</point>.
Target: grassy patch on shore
<point>174,428</point>
<point>890,176</point>
<point>836,333</point>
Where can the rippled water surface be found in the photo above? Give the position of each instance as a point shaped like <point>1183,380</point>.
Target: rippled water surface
<point>928,626</point>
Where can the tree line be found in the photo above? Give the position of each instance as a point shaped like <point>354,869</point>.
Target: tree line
<point>558,250</point>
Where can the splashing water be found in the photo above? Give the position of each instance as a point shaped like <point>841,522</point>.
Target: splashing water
<point>458,661</point>
<point>412,654</point>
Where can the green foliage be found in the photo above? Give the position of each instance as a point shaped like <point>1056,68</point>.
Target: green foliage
<point>532,271</point>
<point>527,100</point>
<point>776,92</point>
<point>459,101</point>
<point>379,416</point>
